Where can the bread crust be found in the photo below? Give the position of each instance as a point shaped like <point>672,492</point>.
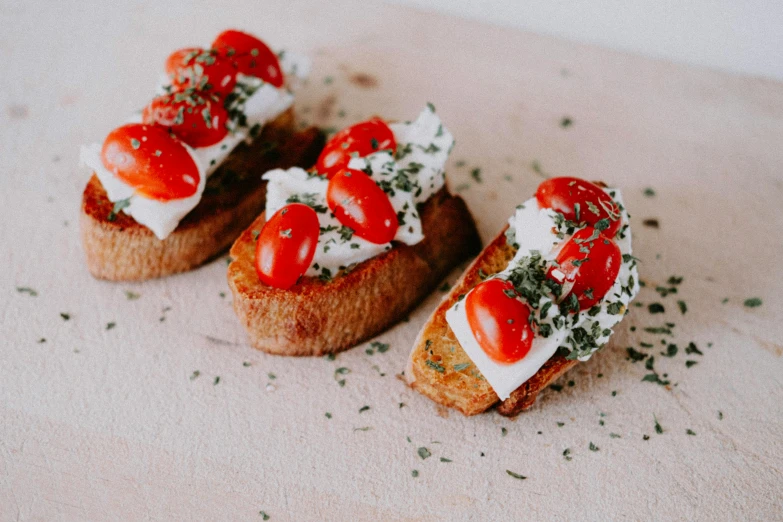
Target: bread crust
<point>121,249</point>
<point>315,317</point>
<point>467,390</point>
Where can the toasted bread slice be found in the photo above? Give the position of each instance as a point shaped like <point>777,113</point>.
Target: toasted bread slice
<point>120,249</point>
<point>317,317</point>
<point>436,351</point>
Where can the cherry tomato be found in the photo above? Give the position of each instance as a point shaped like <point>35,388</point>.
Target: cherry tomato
<point>500,322</point>
<point>201,69</point>
<point>286,245</point>
<point>358,203</point>
<point>361,139</point>
<point>151,160</point>
<point>197,120</point>
<point>250,55</point>
<point>587,266</point>
<point>564,194</point>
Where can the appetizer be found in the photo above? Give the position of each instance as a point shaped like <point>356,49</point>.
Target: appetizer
<point>544,295</point>
<point>174,186</point>
<point>346,249</point>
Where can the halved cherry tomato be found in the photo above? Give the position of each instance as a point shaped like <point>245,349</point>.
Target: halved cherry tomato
<point>587,266</point>
<point>499,320</point>
<point>361,139</point>
<point>564,194</point>
<point>358,203</point>
<point>201,69</point>
<point>151,160</point>
<point>250,55</point>
<point>197,120</point>
<point>286,245</point>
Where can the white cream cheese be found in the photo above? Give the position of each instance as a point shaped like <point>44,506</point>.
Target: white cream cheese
<point>408,177</point>
<point>535,230</point>
<point>259,101</point>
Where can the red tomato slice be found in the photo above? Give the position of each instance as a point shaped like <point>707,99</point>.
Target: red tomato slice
<point>197,120</point>
<point>570,196</point>
<point>500,322</point>
<point>201,69</point>
<point>286,245</point>
<point>360,204</point>
<point>588,263</point>
<point>250,55</point>
<point>150,160</point>
<point>361,139</point>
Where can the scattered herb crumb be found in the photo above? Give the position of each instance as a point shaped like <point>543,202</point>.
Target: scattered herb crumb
<point>217,380</point>
<point>649,192</point>
<point>516,475</point>
<point>593,447</point>
<point>415,473</point>
<point>364,408</point>
<point>26,290</point>
<point>365,428</point>
<point>688,364</point>
<point>245,364</point>
<point>560,424</point>
<point>566,122</point>
<point>476,174</point>
<point>131,296</point>
<point>66,317</point>
<point>658,427</point>
<point>444,459</point>
<point>423,452</point>
<point>111,325</point>
<point>271,376</point>
<point>753,302</point>
<point>690,432</point>
<point>614,435</point>
<point>567,454</point>
<point>656,308</point>
<point>503,432</point>
<point>195,374</point>
<point>328,415</point>
<point>263,514</point>
<point>645,437</point>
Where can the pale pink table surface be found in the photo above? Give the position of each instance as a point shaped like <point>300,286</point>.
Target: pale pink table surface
<point>100,424</point>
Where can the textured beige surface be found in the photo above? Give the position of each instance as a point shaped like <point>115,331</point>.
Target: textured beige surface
<point>103,424</point>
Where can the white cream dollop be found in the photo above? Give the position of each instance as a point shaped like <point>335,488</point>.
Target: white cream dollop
<point>535,230</point>
<point>408,177</point>
<point>263,104</point>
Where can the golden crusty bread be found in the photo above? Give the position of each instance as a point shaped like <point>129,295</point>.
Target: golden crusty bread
<point>120,249</point>
<point>467,390</point>
<point>315,317</point>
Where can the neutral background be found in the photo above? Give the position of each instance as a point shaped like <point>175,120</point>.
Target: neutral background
<point>743,36</point>
<point>113,423</point>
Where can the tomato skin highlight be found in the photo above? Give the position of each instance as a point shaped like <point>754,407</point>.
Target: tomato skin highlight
<point>595,270</point>
<point>363,139</point>
<point>286,245</point>
<point>202,70</point>
<point>152,161</point>
<point>250,56</point>
<point>196,120</point>
<point>563,193</point>
<point>500,324</point>
<point>358,203</point>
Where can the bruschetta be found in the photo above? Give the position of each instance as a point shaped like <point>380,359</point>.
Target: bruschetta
<point>348,248</point>
<point>544,295</point>
<point>174,186</point>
